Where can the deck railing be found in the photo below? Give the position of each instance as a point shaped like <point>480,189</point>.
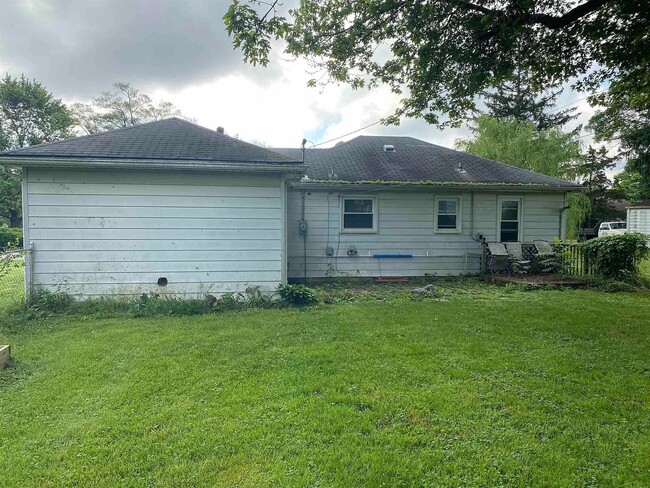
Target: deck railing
<point>570,257</point>
<point>574,261</point>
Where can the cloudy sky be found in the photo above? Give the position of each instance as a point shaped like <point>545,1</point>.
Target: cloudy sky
<point>178,50</point>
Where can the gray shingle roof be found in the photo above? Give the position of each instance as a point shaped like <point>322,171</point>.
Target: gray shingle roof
<point>641,204</point>
<point>364,159</point>
<point>169,139</point>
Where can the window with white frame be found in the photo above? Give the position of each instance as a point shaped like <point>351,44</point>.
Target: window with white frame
<point>447,214</point>
<point>509,219</point>
<point>358,214</point>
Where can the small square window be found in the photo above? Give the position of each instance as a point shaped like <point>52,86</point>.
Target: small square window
<point>358,214</point>
<point>447,214</point>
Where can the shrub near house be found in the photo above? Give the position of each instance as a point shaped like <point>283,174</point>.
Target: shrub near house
<point>617,256</point>
<point>10,237</point>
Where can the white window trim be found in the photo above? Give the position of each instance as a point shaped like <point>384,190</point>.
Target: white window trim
<point>459,214</point>
<point>520,219</point>
<point>375,215</point>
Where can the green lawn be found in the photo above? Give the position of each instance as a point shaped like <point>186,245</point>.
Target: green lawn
<point>490,387</point>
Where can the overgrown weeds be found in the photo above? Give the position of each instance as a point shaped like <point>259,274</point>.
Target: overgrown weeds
<point>297,295</point>
<point>47,303</point>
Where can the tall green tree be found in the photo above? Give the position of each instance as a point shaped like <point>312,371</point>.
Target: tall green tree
<point>441,54</point>
<point>591,171</point>
<point>628,185</point>
<point>625,117</point>
<point>29,114</point>
<point>124,106</point>
<point>519,143</point>
<point>517,100</point>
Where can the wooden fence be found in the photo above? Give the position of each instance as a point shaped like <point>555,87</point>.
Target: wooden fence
<point>574,261</point>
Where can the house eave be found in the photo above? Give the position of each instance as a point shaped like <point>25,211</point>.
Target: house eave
<point>478,187</point>
<point>155,164</point>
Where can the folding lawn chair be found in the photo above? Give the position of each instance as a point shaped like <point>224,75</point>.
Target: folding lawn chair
<point>544,248</point>
<point>498,259</point>
<point>517,256</point>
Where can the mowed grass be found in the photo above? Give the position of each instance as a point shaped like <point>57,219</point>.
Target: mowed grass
<point>542,388</point>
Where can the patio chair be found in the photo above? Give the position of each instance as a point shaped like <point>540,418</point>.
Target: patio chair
<point>498,259</point>
<point>517,256</point>
<point>544,248</point>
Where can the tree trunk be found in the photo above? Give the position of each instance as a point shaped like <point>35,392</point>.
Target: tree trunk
<point>15,220</point>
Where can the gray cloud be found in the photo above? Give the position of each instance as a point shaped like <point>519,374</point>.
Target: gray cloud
<point>78,48</point>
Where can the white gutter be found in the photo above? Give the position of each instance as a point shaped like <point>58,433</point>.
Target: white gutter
<point>149,164</point>
<point>478,187</point>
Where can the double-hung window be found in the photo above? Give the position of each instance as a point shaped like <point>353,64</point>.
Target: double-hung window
<point>358,214</point>
<point>509,211</point>
<point>447,214</point>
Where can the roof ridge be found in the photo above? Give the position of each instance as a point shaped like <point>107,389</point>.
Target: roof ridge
<point>220,134</point>
<point>368,136</point>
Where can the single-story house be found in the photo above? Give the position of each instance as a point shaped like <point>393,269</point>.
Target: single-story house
<point>173,208</point>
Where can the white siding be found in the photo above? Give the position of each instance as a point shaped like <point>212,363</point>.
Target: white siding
<point>105,232</point>
<point>638,220</point>
<point>406,226</point>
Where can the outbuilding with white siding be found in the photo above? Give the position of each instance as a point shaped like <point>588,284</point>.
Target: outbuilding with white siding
<point>168,207</point>
<point>638,218</point>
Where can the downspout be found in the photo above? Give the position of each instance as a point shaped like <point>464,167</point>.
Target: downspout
<point>304,235</point>
<point>471,215</point>
<point>562,229</point>
<point>302,218</point>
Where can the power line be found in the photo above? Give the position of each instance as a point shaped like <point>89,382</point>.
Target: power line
<point>345,135</point>
<point>575,102</point>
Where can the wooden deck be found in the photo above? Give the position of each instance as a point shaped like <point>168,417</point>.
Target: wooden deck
<point>538,279</point>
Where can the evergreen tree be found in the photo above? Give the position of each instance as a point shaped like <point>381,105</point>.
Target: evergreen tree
<point>517,99</point>
<point>592,172</point>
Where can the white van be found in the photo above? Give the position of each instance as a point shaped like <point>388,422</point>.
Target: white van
<point>611,228</point>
